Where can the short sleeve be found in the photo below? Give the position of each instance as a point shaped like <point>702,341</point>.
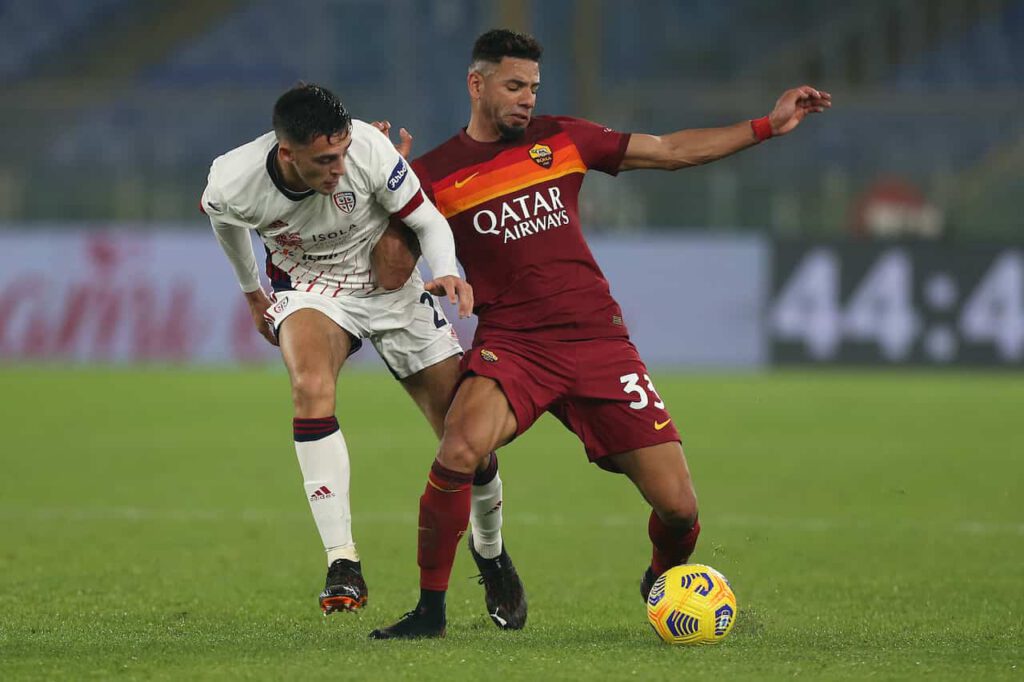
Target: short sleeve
<point>395,184</point>
<point>600,148</point>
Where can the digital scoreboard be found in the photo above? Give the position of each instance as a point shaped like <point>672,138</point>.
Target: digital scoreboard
<point>897,303</point>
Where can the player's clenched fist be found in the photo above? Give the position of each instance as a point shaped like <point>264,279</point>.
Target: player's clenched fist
<point>456,289</point>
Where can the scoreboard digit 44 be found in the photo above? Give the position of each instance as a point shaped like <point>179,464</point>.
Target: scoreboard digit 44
<point>927,304</point>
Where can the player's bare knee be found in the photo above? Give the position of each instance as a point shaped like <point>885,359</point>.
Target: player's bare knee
<point>680,512</point>
<point>457,453</point>
<point>313,394</point>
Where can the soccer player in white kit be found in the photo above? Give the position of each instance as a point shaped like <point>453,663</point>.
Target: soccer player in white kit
<point>320,189</point>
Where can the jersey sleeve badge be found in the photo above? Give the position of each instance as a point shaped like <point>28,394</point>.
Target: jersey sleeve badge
<point>397,176</point>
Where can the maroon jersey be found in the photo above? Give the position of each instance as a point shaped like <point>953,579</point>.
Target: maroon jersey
<point>513,207</point>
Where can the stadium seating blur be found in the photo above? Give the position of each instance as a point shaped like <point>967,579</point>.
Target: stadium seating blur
<point>31,32</point>
<point>989,54</point>
<point>913,113</point>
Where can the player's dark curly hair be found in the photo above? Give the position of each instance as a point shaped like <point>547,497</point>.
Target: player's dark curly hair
<point>308,111</point>
<point>501,42</point>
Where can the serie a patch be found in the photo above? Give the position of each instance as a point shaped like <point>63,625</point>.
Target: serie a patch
<point>488,356</point>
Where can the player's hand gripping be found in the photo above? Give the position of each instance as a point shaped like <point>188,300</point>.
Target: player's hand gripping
<point>794,105</point>
<point>259,304</point>
<point>456,289</point>
<point>405,146</point>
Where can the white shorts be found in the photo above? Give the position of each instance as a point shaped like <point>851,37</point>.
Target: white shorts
<point>407,326</point>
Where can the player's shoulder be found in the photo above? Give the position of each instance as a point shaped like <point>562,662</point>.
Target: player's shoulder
<point>372,160</point>
<point>234,173</point>
<point>367,141</point>
<point>547,123</point>
<point>440,160</point>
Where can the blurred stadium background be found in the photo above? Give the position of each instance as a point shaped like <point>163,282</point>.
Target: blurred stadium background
<point>119,106</point>
<point>114,109</point>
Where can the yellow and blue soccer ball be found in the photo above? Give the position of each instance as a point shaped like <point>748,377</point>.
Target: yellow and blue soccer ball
<point>692,604</point>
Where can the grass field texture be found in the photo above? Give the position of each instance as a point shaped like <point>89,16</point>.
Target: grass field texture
<point>153,525</point>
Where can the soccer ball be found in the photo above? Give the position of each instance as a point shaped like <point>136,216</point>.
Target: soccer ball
<point>691,604</point>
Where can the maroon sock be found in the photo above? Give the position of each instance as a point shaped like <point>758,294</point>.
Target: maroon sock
<point>672,545</point>
<point>444,515</point>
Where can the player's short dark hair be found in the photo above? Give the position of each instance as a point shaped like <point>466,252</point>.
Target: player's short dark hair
<point>308,111</point>
<point>498,43</point>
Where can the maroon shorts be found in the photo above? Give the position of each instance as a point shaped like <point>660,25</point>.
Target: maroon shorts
<point>600,389</point>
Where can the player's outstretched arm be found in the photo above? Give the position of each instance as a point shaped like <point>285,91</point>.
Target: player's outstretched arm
<point>698,146</point>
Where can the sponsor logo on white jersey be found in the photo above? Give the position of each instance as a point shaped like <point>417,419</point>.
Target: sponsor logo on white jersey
<point>324,257</point>
<point>397,176</point>
<point>332,236</point>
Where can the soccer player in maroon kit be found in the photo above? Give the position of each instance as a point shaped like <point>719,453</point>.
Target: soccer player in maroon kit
<point>550,337</point>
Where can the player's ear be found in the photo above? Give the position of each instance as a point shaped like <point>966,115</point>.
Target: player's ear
<point>284,152</point>
<point>474,83</point>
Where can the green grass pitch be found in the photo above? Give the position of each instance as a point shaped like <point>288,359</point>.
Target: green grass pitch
<point>153,526</point>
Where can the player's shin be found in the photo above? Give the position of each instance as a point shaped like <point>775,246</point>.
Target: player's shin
<point>444,515</point>
<point>673,544</point>
<point>485,511</point>
<point>323,458</point>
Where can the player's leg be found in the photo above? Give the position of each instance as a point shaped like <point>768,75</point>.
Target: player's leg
<point>625,425</point>
<point>426,355</point>
<point>314,349</point>
<point>480,419</point>
<point>661,475</point>
<point>432,390</point>
<point>504,595</point>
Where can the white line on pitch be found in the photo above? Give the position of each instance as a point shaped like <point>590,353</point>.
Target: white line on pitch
<point>514,518</point>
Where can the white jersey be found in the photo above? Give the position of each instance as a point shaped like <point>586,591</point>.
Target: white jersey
<point>314,242</point>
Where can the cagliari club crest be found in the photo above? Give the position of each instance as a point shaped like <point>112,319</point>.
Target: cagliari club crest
<point>541,154</point>
<point>346,201</point>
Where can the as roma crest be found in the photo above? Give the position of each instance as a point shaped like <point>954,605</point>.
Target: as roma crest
<point>346,201</point>
<point>541,153</point>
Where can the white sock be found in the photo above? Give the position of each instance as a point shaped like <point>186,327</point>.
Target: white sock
<point>325,473</point>
<point>485,516</point>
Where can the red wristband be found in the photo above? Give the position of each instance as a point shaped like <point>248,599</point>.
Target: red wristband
<point>762,128</point>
